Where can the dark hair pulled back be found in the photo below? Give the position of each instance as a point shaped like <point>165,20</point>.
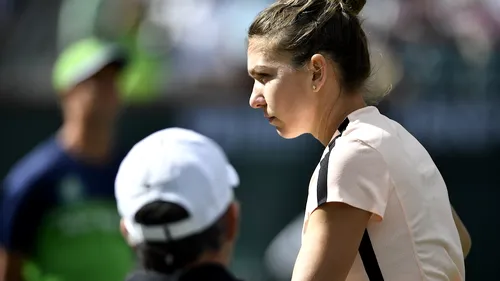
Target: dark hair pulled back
<point>303,28</point>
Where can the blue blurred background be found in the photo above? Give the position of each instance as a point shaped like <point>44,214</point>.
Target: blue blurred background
<point>441,58</point>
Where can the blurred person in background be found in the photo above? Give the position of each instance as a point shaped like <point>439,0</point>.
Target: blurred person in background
<point>58,214</point>
<point>378,208</point>
<point>126,22</point>
<point>280,255</point>
<point>174,191</point>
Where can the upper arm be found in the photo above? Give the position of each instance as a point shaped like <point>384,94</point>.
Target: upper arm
<point>18,215</point>
<point>465,239</point>
<point>331,243</point>
<point>357,189</point>
<point>18,227</point>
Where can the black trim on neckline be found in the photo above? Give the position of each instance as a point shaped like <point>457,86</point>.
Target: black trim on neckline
<point>343,125</point>
<point>341,129</point>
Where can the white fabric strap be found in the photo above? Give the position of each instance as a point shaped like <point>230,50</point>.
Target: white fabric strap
<point>171,231</point>
<point>163,233</point>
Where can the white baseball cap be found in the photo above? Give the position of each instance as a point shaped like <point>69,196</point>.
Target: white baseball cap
<point>178,166</point>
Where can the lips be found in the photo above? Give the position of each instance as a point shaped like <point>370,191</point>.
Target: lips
<point>269,117</point>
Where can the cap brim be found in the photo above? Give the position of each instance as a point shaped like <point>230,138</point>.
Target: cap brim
<point>233,178</point>
<point>111,56</point>
<point>77,73</point>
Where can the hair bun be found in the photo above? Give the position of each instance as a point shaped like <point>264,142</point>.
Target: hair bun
<point>352,6</point>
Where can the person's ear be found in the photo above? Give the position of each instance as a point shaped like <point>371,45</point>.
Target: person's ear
<point>232,221</point>
<point>318,68</point>
<point>123,230</point>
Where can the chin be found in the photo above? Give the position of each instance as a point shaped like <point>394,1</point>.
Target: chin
<point>288,134</point>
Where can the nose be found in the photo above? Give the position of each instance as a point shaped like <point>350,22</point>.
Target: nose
<point>257,100</point>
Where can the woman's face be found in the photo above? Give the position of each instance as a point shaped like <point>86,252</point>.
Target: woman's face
<point>285,94</point>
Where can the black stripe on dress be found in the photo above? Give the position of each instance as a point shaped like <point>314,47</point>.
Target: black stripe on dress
<point>366,251</point>
<point>322,185</point>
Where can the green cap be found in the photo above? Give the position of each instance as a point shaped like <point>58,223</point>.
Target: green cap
<point>83,59</point>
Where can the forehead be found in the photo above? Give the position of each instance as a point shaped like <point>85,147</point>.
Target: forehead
<point>261,54</point>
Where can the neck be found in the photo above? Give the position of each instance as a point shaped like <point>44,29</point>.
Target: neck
<point>219,257</point>
<point>93,143</point>
<point>334,115</point>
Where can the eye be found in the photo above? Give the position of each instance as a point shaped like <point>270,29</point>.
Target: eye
<point>263,77</point>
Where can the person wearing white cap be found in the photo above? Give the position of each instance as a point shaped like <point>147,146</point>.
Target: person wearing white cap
<point>174,192</point>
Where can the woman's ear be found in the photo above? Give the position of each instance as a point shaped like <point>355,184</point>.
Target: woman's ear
<point>318,67</point>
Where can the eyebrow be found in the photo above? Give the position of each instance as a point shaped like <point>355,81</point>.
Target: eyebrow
<point>257,70</point>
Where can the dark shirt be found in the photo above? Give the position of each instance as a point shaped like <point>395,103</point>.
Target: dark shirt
<point>207,272</point>
<point>60,212</point>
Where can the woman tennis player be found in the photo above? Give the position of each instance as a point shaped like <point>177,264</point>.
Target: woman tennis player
<point>378,208</point>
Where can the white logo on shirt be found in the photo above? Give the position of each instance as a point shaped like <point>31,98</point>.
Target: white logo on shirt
<point>70,189</point>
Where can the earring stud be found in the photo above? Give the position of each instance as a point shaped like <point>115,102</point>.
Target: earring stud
<point>314,88</point>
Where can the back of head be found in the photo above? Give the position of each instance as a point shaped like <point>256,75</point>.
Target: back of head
<point>303,28</point>
<point>174,191</point>
<point>170,257</point>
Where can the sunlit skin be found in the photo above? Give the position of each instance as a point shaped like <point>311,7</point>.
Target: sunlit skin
<point>300,100</point>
